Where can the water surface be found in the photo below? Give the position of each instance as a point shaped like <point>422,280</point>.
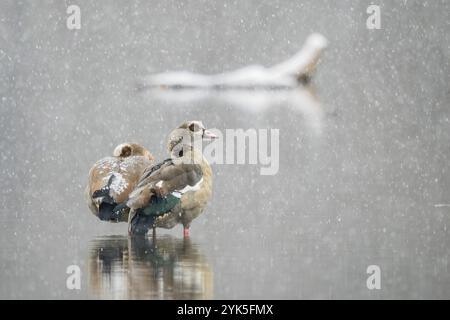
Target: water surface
<point>363,161</point>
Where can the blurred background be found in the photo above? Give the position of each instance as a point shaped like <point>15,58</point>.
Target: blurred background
<point>365,183</point>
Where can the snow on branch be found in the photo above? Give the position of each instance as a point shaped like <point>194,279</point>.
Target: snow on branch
<point>290,73</point>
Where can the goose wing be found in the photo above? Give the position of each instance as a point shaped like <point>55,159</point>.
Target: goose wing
<point>162,180</point>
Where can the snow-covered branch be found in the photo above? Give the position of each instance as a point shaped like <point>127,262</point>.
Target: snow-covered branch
<point>289,73</point>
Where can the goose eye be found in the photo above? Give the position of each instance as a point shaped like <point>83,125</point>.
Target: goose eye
<point>194,127</point>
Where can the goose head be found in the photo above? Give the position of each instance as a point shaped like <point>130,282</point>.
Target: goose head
<point>128,149</point>
<point>188,136</point>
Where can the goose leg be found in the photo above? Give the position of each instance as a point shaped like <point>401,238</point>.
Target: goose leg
<point>186,232</point>
<point>140,224</point>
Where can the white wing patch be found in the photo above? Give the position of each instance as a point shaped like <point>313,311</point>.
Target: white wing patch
<point>179,193</point>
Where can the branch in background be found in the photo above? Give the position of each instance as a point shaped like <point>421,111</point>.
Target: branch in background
<point>290,73</point>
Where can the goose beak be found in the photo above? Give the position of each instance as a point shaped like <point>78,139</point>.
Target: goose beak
<point>208,135</point>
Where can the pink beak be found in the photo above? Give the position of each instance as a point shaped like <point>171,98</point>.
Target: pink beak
<point>208,135</point>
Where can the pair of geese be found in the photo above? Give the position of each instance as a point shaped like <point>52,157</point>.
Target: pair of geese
<point>130,187</point>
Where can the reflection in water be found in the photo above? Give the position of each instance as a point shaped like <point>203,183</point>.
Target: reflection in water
<point>129,268</point>
<point>300,100</point>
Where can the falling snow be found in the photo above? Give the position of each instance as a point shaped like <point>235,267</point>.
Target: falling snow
<point>364,174</point>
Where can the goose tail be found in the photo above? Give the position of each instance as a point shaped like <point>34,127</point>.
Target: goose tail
<point>106,203</point>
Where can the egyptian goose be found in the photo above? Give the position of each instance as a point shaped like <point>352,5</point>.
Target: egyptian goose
<point>111,180</point>
<point>176,190</point>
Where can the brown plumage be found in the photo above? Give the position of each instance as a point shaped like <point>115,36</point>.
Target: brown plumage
<point>111,179</point>
<point>186,176</point>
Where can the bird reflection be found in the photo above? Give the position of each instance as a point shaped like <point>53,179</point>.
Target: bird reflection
<point>140,268</point>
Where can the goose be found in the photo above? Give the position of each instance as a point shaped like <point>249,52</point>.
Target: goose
<point>111,180</point>
<point>177,190</point>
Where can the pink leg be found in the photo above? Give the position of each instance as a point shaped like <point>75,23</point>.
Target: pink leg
<point>186,232</point>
